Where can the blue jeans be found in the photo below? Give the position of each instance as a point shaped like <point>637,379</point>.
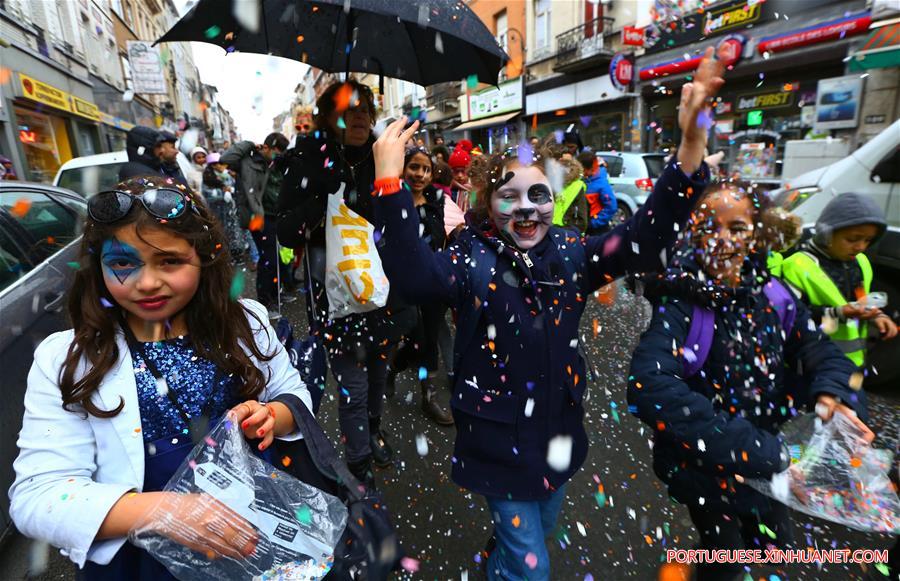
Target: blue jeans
<point>521,528</point>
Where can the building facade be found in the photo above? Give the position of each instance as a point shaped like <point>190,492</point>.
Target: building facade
<point>67,81</point>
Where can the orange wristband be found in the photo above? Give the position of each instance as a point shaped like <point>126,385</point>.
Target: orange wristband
<point>387,186</point>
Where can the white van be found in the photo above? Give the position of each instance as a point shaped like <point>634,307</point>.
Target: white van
<point>95,173</point>
<point>874,170</point>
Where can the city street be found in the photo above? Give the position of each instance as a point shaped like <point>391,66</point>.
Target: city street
<point>444,527</point>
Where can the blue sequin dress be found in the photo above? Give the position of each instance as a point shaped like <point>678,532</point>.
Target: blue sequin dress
<point>201,391</point>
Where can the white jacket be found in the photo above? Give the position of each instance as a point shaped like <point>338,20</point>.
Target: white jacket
<point>73,467</point>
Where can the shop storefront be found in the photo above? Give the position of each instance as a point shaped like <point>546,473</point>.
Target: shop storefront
<point>771,87</point>
<point>490,117</point>
<point>51,127</point>
<point>595,107</point>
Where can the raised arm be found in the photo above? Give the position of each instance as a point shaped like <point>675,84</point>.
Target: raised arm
<point>418,273</point>
<point>636,245</point>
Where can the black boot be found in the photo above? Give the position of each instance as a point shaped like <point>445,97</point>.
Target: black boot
<point>431,408</point>
<point>362,469</point>
<point>382,453</point>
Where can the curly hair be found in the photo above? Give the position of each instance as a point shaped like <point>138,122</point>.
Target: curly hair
<point>95,317</point>
<point>774,230</point>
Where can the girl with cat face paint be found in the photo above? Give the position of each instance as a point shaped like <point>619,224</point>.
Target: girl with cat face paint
<point>522,206</point>
<point>519,286</point>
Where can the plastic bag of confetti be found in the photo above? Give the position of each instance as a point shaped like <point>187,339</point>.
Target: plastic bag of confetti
<point>227,514</point>
<point>354,277</point>
<point>835,475</point>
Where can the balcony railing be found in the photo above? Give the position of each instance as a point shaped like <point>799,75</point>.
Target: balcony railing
<point>584,45</point>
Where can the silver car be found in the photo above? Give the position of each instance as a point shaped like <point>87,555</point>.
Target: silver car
<point>40,230</point>
<point>632,177</point>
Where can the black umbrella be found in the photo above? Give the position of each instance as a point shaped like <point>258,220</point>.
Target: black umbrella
<point>422,41</point>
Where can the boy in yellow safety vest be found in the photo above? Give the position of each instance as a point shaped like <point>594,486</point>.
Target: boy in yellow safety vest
<point>834,276</point>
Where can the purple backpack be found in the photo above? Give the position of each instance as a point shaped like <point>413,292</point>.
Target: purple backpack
<point>700,334</point>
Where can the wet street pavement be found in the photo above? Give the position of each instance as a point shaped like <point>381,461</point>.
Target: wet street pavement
<point>444,527</point>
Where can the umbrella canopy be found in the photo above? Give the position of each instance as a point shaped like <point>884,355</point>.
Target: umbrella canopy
<point>424,42</point>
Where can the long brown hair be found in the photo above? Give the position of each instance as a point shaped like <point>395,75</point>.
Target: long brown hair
<point>218,326</point>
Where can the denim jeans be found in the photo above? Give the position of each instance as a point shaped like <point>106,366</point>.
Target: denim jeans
<point>521,528</point>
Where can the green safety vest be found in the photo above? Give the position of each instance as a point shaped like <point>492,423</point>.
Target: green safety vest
<point>564,200</point>
<point>803,272</point>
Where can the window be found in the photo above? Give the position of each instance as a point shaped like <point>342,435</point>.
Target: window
<point>655,165</point>
<point>501,29</point>
<point>613,165</point>
<point>54,24</point>
<point>541,24</point>
<point>47,225</point>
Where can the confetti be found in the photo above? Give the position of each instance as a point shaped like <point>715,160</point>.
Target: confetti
<point>559,453</point>
<point>237,285</point>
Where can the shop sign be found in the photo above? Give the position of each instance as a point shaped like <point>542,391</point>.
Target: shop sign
<point>731,17</point>
<point>621,71</point>
<point>690,26</point>
<point>147,69</point>
<point>43,93</point>
<point>765,100</point>
<point>116,122</point>
<point>838,103</point>
<point>505,98</point>
<point>633,36</point>
<point>85,108</point>
<point>723,107</point>
<point>730,49</point>
<point>874,119</point>
<point>754,118</point>
<point>831,30</point>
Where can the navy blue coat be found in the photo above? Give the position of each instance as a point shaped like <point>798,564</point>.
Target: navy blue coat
<point>723,420</point>
<point>520,381</point>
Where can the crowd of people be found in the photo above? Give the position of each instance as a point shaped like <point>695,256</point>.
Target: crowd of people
<point>509,246</point>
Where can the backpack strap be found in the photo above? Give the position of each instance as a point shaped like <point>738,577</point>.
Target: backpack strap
<point>700,333</point>
<point>699,340</point>
<point>783,301</point>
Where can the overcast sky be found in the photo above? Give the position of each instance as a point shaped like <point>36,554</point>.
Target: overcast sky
<point>253,88</point>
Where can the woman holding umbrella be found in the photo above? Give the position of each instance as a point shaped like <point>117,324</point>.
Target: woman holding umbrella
<point>340,151</point>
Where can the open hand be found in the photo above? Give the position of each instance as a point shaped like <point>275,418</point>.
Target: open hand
<point>390,149</point>
<point>695,100</point>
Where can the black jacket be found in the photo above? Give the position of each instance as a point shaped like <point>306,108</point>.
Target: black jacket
<point>520,377</point>
<point>139,145</point>
<point>315,168</point>
<point>723,420</point>
<point>141,162</point>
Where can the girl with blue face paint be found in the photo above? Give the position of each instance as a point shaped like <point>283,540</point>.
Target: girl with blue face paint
<point>158,352</point>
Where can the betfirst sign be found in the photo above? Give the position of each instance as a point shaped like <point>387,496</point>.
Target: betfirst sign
<point>728,18</point>
<point>765,100</point>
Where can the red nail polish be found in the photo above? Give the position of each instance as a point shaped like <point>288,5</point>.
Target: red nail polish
<point>245,423</point>
<point>260,432</point>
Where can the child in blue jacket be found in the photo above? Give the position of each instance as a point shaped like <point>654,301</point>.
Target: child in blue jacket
<point>722,366</point>
<point>520,286</point>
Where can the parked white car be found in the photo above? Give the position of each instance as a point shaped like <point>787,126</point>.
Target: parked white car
<point>873,170</point>
<point>632,177</point>
<point>95,173</point>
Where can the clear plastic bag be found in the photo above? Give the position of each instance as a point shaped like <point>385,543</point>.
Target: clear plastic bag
<point>835,475</point>
<point>237,517</point>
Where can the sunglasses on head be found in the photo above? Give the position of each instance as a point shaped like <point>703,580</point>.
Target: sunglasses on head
<point>161,203</point>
